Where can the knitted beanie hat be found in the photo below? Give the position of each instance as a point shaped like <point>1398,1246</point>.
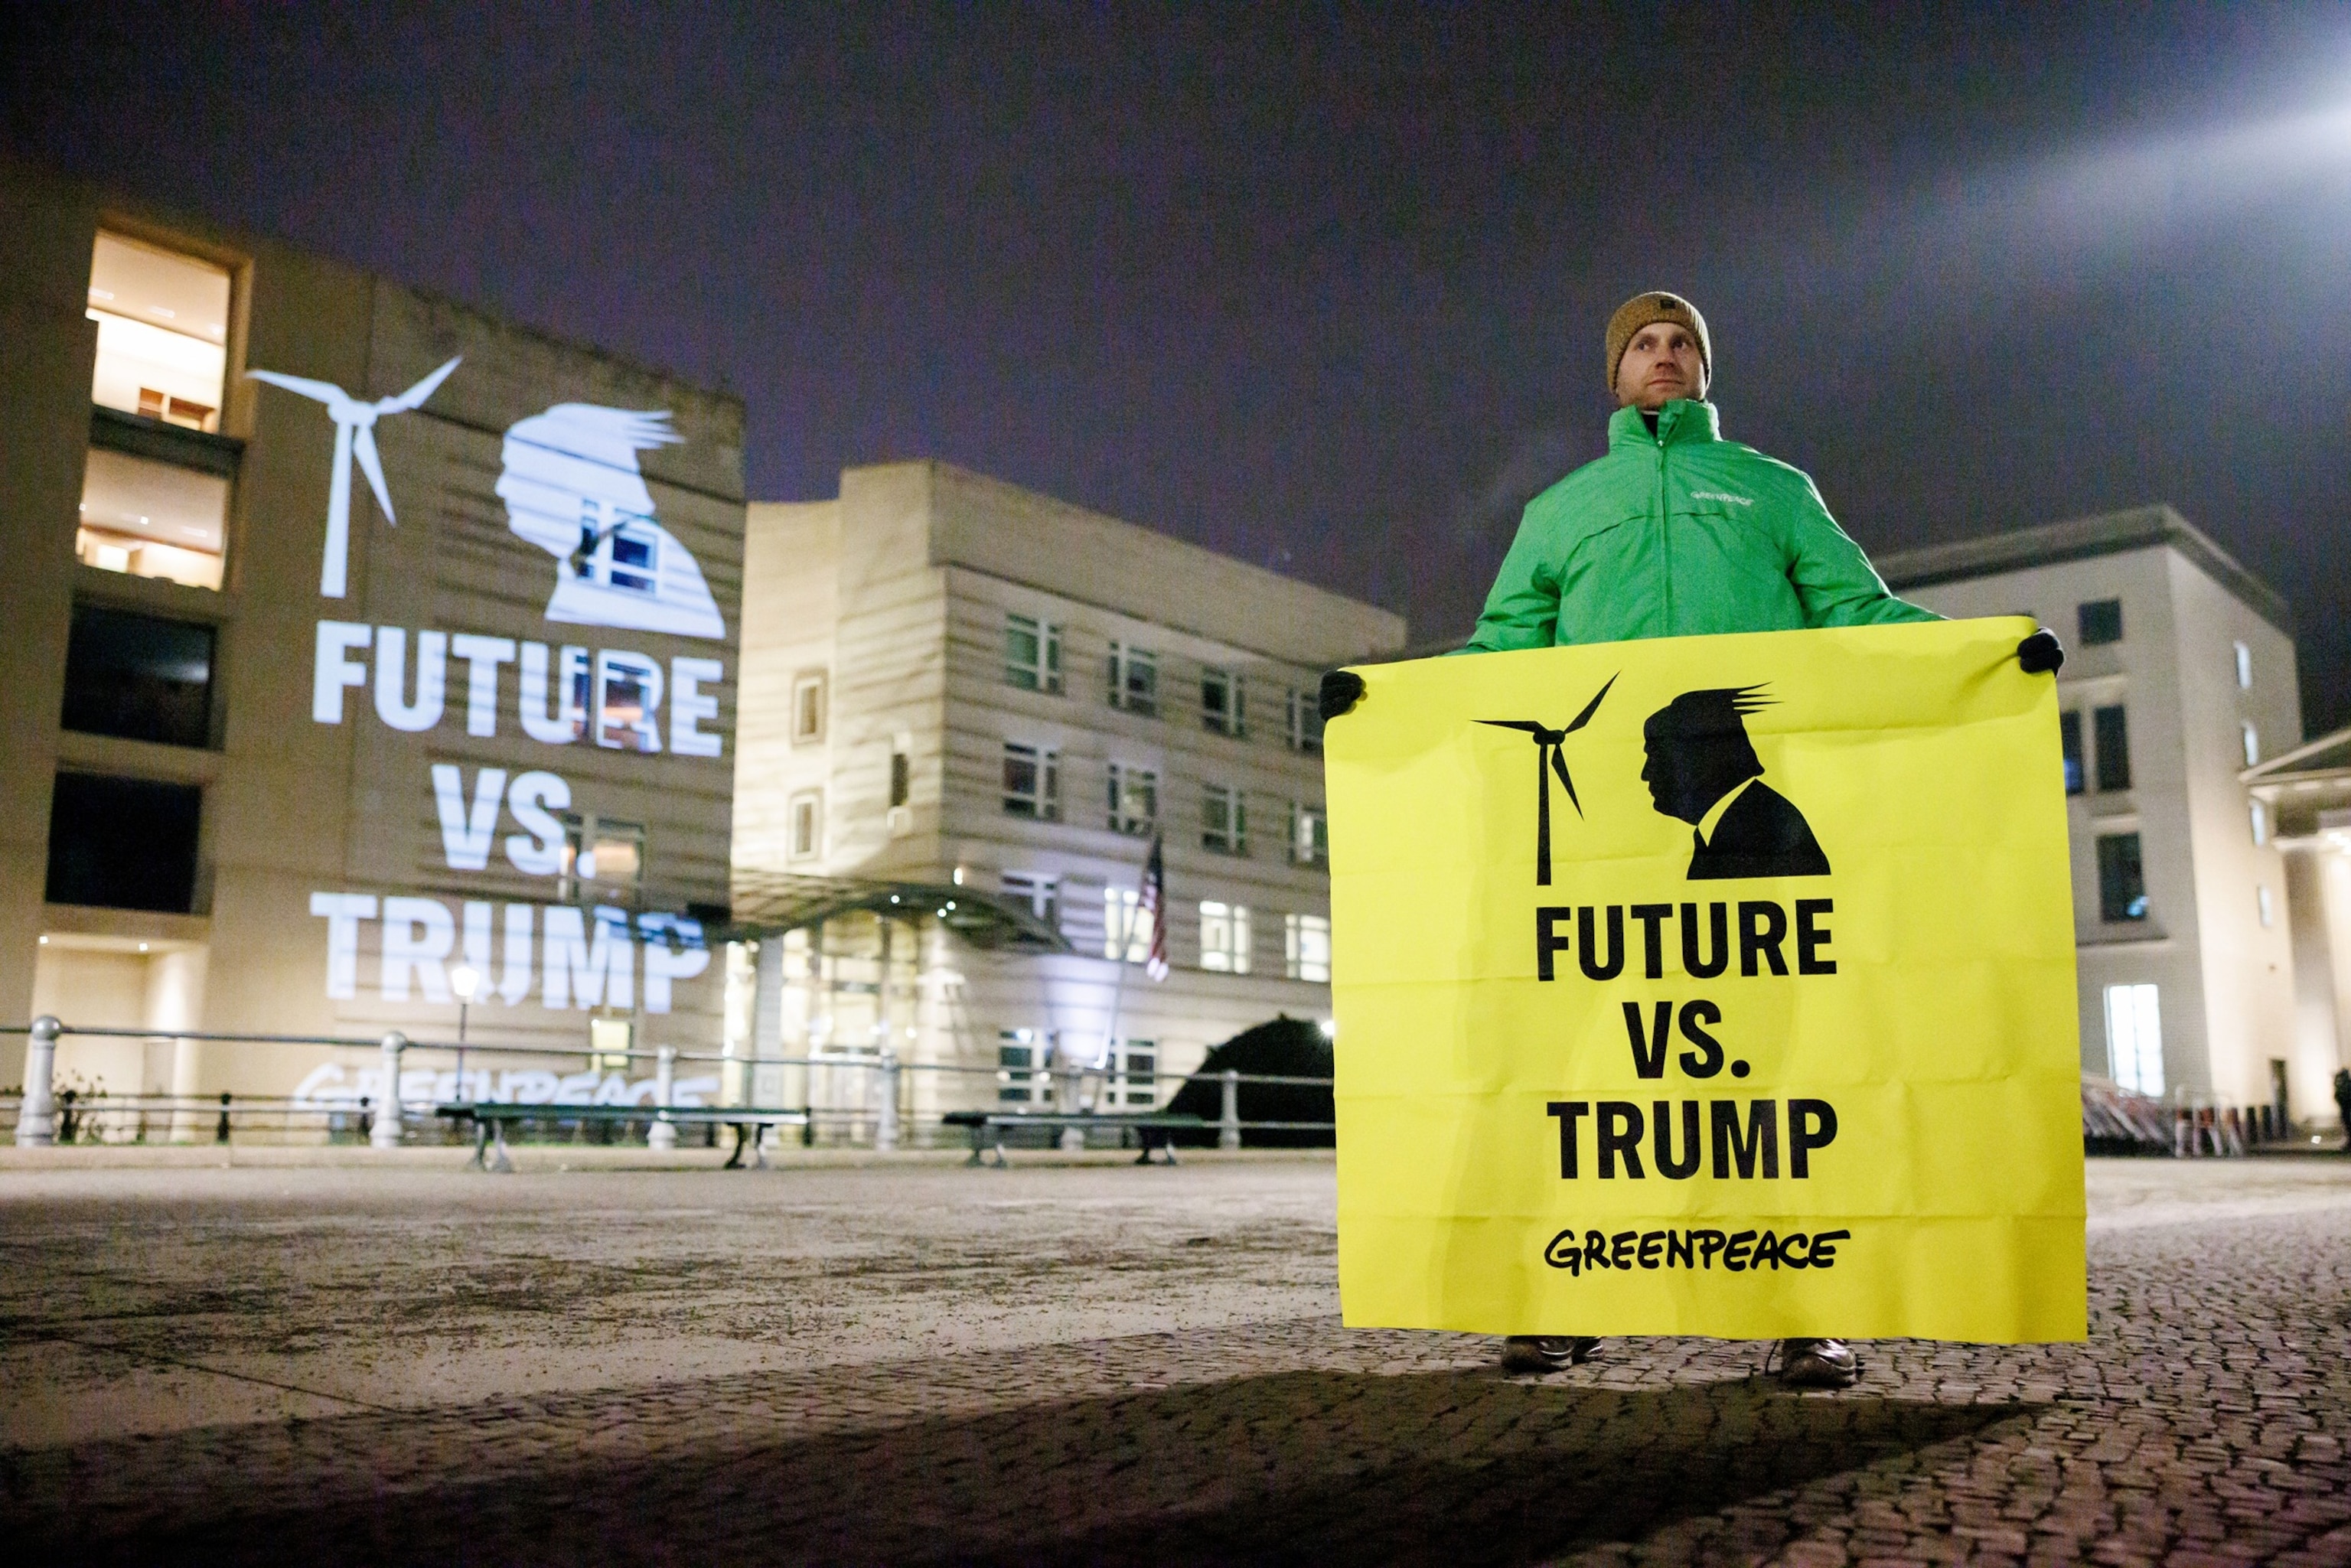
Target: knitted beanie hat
<point>1647,310</point>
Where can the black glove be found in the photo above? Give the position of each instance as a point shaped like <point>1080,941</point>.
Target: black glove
<point>2040,653</point>
<point>1341,690</point>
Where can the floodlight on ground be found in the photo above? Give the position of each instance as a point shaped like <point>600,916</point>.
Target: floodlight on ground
<point>1329,1028</point>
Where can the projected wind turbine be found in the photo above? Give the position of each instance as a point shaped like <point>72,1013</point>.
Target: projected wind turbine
<point>354,439</point>
<point>1549,760</point>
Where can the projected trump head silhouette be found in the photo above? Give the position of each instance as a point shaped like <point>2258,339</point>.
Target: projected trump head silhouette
<point>572,487</point>
<point>1699,757</point>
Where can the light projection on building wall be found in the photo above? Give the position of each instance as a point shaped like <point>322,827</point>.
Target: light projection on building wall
<point>354,443</point>
<point>572,487</point>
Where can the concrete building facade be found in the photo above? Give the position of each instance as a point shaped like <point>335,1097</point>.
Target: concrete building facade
<point>356,639</point>
<point>960,696</point>
<point>2180,676</point>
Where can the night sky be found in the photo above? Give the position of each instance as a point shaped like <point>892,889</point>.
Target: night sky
<point>1325,290</point>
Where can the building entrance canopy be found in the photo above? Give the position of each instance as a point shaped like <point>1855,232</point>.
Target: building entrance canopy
<point>2309,789</point>
<point>769,903</point>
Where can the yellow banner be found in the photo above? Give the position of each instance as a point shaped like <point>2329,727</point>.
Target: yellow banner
<point>1709,986</point>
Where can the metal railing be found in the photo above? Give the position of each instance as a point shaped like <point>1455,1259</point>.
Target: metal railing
<point>876,1115</point>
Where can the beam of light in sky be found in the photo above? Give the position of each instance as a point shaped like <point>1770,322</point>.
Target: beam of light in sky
<point>2277,192</point>
<point>2118,194</point>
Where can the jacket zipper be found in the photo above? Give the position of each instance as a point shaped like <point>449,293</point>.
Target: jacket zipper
<point>1665,538</point>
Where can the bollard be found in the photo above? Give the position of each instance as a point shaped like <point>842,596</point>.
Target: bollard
<point>220,1133</point>
<point>36,1114</point>
<point>663,1133</point>
<point>386,1135</point>
<point>885,1114</point>
<point>1072,1138</point>
<point>1228,1125</point>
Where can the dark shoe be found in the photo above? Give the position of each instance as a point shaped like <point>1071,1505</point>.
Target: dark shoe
<point>1818,1363</point>
<point>1546,1353</point>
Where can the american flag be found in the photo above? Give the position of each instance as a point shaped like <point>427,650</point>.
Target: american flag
<point>1150,903</point>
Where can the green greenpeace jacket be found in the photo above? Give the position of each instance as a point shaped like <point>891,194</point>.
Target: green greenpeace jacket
<point>1680,534</point>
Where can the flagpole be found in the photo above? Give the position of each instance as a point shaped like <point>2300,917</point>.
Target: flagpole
<point>1118,990</point>
<point>1126,942</point>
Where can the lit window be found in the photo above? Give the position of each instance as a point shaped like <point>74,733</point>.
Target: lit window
<point>1122,914</point>
<point>2111,728</point>
<point>1309,835</point>
<point>2244,667</point>
<point>163,332</point>
<point>1032,782</point>
<point>2101,621</point>
<point>1224,820</point>
<point>1305,721</point>
<point>2261,903</point>
<point>601,858</point>
<point>1024,1059</point>
<point>808,824</point>
<point>1223,702</point>
<point>808,708</point>
<point>1224,936</point>
<point>2135,1038</point>
<point>1134,680</point>
<point>1306,947</point>
<point>2252,740</point>
<point>138,678</point>
<point>628,701</point>
<point>618,549</point>
<point>1032,653</point>
<point>1041,893</point>
<point>1134,799</point>
<point>152,519</point>
<point>2261,815</point>
<point>2122,882</point>
<point>1133,1079</point>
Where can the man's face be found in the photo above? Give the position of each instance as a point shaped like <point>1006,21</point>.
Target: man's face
<point>1661,364</point>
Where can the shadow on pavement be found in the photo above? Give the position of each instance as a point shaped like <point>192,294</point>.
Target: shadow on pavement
<point>1454,1467</point>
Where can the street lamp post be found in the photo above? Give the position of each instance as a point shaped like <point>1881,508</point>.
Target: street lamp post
<point>465,980</point>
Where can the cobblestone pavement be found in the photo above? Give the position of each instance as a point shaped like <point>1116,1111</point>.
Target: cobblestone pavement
<point>1087,1364</point>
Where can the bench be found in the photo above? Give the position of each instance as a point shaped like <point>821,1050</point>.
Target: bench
<point>491,1117</point>
<point>989,1126</point>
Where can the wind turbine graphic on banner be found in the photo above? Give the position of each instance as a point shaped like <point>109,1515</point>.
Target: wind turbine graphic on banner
<point>1550,760</point>
<point>354,439</point>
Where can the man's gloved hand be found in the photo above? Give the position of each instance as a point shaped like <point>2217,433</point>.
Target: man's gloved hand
<point>2040,653</point>
<point>1341,690</point>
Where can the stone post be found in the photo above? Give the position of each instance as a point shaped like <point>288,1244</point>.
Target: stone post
<point>37,1114</point>
<point>1228,1125</point>
<point>1073,1086</point>
<point>885,1114</point>
<point>663,1133</point>
<point>386,1135</point>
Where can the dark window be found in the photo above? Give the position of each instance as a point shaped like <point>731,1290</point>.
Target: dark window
<point>123,843</point>
<point>2113,735</point>
<point>2101,621</point>
<point>899,780</point>
<point>138,678</point>
<point>2122,885</point>
<point>2069,740</point>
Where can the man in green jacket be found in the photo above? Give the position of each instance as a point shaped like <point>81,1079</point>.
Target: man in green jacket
<point>1675,532</point>
<point>1678,533</point>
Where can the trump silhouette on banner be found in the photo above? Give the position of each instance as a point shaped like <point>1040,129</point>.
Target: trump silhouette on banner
<point>1703,769</point>
<point>572,487</point>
